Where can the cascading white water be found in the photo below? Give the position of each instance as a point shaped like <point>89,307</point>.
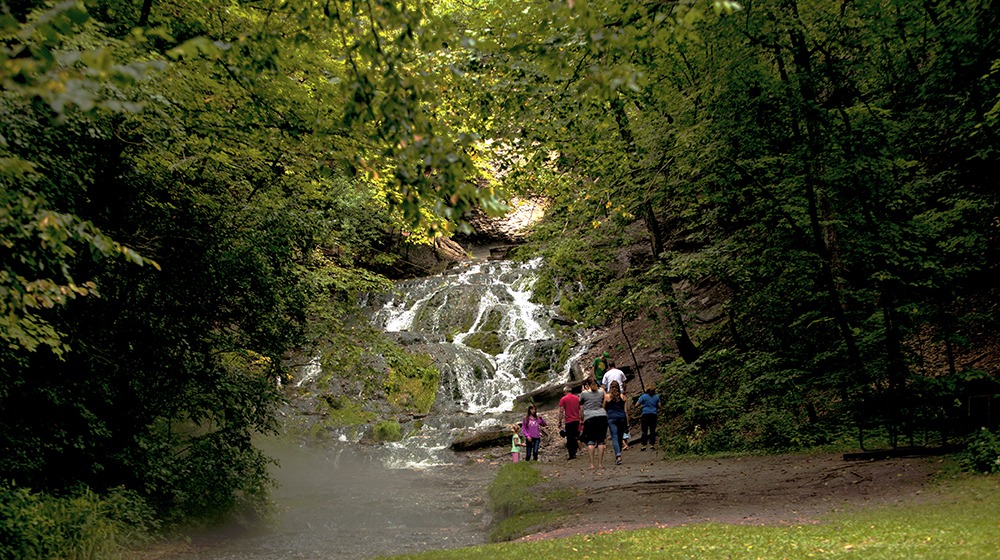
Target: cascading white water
<point>310,371</point>
<point>490,301</point>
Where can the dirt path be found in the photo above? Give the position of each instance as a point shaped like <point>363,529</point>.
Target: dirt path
<point>647,491</point>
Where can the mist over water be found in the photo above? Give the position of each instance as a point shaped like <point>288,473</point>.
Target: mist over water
<point>342,502</point>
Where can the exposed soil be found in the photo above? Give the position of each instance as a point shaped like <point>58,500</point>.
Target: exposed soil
<point>648,491</point>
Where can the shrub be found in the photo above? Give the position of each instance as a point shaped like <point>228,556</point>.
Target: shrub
<point>388,430</point>
<point>982,453</point>
<point>742,401</point>
<point>77,526</point>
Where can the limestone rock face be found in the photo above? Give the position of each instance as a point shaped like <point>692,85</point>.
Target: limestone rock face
<point>492,238</point>
<point>511,228</point>
<point>428,260</point>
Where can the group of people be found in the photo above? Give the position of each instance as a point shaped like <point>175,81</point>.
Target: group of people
<point>602,407</point>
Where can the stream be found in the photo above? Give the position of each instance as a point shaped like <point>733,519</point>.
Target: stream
<point>340,502</point>
<point>348,500</point>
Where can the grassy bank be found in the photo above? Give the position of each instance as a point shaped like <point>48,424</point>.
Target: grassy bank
<point>78,525</point>
<point>964,523</point>
<point>516,506</point>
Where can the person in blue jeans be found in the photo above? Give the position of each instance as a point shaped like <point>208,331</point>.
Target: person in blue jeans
<point>650,403</point>
<point>617,408</point>
<point>531,427</point>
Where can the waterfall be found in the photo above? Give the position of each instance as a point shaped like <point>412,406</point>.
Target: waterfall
<point>309,372</point>
<point>490,341</point>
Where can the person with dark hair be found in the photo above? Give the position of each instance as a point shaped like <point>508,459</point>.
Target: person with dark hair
<point>614,374</point>
<point>601,366</point>
<point>617,409</point>
<point>569,419</point>
<point>650,403</point>
<point>531,427</point>
<point>595,421</point>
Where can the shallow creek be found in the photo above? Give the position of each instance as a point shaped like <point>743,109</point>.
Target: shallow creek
<point>344,503</point>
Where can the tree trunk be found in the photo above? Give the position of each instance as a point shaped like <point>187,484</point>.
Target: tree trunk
<point>147,6</point>
<point>801,57</point>
<point>685,346</point>
<point>896,366</point>
<point>653,227</point>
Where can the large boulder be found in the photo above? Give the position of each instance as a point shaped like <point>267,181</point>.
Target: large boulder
<point>417,261</point>
<point>487,437</point>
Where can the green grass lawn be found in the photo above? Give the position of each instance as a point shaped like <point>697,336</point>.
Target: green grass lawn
<point>964,523</point>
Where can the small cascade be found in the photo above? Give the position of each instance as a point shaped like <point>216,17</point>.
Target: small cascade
<point>310,371</point>
<point>490,341</point>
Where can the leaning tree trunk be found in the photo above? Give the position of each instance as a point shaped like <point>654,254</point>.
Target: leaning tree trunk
<point>812,118</point>
<point>686,348</point>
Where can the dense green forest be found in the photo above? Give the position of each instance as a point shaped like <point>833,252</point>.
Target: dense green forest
<point>194,191</point>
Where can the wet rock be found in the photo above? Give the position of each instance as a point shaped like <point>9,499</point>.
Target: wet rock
<point>501,252</point>
<point>424,260</point>
<point>511,228</point>
<point>488,437</point>
<point>560,320</point>
<point>408,338</point>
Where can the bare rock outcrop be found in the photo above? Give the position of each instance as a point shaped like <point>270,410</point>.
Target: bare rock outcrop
<point>511,228</point>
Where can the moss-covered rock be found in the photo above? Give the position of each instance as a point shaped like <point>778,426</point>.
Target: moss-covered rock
<point>493,320</point>
<point>387,430</point>
<point>342,411</point>
<point>538,370</point>
<point>487,341</point>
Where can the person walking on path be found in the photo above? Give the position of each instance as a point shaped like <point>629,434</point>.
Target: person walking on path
<point>569,419</point>
<point>595,422</point>
<point>516,442</point>
<point>531,427</point>
<point>601,366</point>
<point>614,374</point>
<point>650,403</point>
<point>617,409</point>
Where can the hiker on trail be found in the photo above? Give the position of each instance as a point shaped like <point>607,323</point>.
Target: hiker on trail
<point>601,366</point>
<point>531,427</point>
<point>614,374</point>
<point>516,442</point>
<point>650,403</point>
<point>617,409</point>
<point>569,419</point>
<point>595,421</point>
